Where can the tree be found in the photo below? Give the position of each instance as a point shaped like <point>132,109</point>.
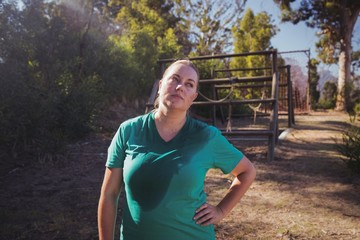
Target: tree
<point>50,88</point>
<point>147,34</point>
<point>205,25</point>
<point>328,99</point>
<point>252,33</point>
<point>336,20</point>
<point>313,82</point>
<point>355,62</point>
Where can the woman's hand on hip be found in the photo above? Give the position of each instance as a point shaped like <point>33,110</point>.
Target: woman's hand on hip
<point>208,214</point>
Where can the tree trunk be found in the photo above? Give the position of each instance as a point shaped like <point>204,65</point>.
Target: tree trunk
<point>83,37</point>
<point>344,75</point>
<point>343,89</point>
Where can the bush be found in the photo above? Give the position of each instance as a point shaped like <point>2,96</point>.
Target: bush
<point>357,108</point>
<point>349,148</point>
<point>41,122</point>
<point>328,99</point>
<point>326,104</point>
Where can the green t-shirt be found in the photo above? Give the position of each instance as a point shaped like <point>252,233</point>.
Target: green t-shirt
<point>164,181</point>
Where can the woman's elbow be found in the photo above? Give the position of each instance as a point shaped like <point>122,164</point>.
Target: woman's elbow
<point>252,172</point>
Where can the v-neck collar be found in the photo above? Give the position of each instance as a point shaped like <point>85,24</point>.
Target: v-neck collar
<point>176,137</point>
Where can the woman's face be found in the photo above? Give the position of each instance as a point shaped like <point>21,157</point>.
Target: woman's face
<point>178,87</point>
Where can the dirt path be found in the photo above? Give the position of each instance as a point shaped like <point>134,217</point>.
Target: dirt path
<point>305,193</point>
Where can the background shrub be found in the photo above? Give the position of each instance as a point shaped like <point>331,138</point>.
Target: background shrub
<point>349,148</point>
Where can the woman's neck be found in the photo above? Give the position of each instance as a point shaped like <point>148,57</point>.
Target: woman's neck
<point>167,118</point>
<point>168,123</point>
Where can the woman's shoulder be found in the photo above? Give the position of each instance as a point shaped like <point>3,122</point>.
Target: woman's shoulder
<point>135,121</point>
<point>200,126</point>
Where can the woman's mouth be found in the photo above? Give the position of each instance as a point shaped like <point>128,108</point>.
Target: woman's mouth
<point>177,96</point>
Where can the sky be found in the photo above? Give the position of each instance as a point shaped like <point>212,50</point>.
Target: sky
<point>290,37</point>
<point>293,37</point>
<point>299,37</point>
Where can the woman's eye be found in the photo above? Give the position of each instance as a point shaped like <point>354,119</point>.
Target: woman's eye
<point>190,85</point>
<point>176,79</point>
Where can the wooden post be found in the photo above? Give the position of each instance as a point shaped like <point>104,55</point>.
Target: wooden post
<point>291,119</point>
<point>274,111</point>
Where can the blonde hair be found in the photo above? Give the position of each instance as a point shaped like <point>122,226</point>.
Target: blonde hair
<point>184,62</point>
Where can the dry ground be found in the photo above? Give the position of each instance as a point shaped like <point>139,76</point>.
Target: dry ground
<point>305,193</point>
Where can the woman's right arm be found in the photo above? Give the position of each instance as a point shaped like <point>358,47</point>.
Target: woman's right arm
<point>108,202</point>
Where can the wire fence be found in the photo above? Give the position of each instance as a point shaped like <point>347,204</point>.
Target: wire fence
<point>299,73</point>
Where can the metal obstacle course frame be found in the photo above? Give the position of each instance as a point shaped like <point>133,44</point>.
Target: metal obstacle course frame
<point>269,81</point>
<point>285,95</point>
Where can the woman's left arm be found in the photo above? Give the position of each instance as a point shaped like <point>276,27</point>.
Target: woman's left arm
<point>244,174</point>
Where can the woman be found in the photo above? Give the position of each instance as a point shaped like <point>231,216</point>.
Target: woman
<point>162,157</point>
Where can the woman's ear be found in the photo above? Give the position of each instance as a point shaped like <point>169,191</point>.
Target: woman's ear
<point>159,86</point>
<point>195,96</point>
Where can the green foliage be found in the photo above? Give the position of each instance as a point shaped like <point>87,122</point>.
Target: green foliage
<point>205,26</point>
<point>349,148</point>
<point>252,33</point>
<point>357,109</point>
<point>59,66</point>
<point>148,35</point>
<point>328,99</point>
<point>328,15</point>
<point>355,58</point>
<point>49,95</point>
<point>325,104</point>
<point>336,20</point>
<point>314,79</point>
<point>168,45</point>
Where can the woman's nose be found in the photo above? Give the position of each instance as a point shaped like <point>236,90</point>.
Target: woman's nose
<point>179,86</point>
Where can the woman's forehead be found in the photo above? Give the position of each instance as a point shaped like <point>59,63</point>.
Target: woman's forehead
<point>183,70</point>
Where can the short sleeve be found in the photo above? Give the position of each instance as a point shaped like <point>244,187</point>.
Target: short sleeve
<point>226,156</point>
<point>116,150</point>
